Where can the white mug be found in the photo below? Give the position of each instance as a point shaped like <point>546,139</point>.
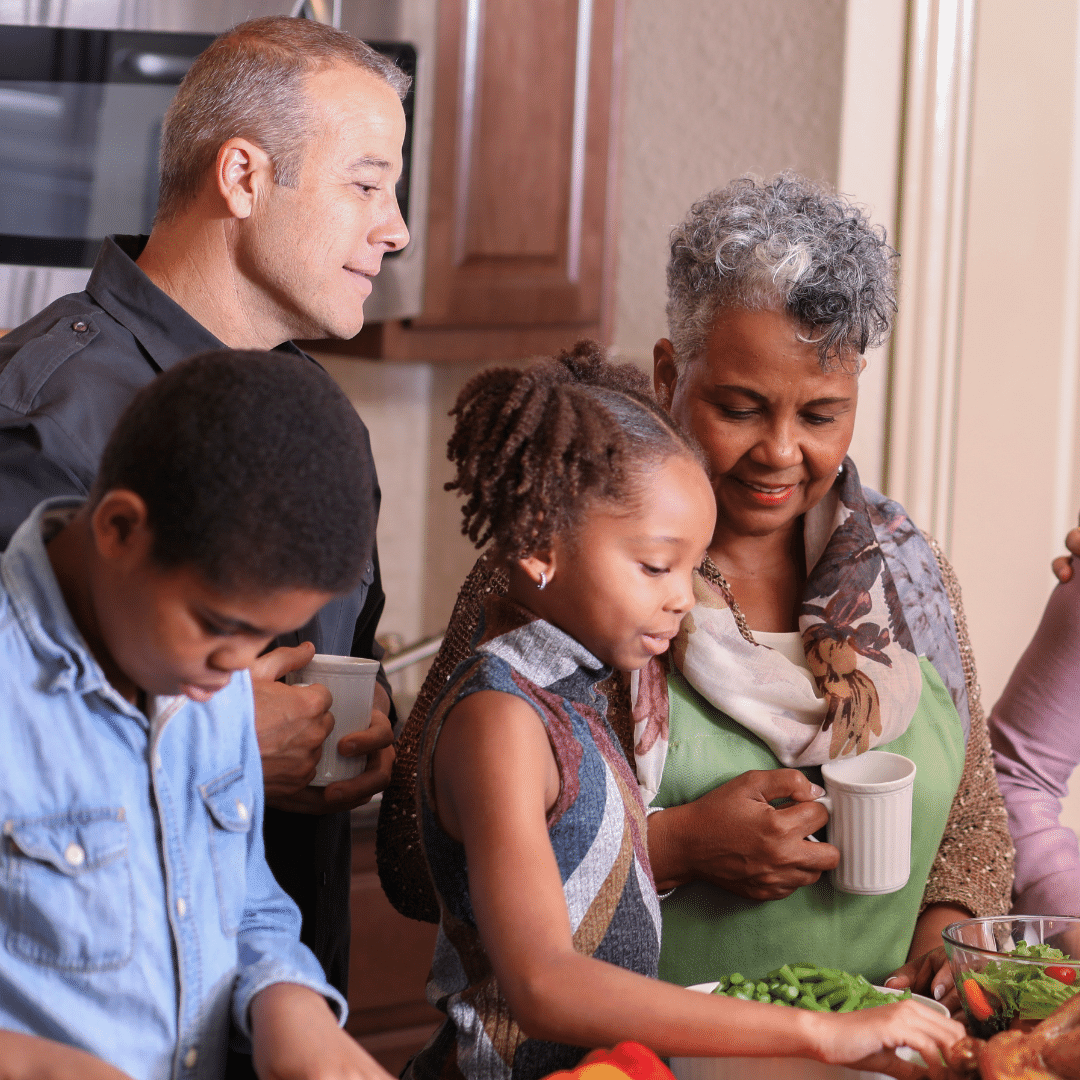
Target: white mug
<point>351,682</point>
<point>869,802</point>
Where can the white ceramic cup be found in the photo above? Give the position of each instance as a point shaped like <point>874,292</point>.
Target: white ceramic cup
<point>351,682</point>
<point>869,802</point>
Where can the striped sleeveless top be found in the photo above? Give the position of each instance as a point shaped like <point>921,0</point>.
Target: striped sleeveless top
<point>597,830</point>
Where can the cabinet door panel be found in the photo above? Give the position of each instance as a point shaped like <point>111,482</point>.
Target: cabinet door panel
<point>518,159</point>
<point>523,130</point>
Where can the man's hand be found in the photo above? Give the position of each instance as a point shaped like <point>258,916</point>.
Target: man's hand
<point>733,838</point>
<point>291,722</point>
<point>26,1057</point>
<point>1063,567</point>
<point>377,744</point>
<point>295,1037</point>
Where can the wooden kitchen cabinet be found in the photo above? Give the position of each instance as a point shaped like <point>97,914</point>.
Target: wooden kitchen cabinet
<point>520,224</point>
<point>389,960</point>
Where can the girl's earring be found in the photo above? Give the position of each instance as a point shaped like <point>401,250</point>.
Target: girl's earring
<point>542,583</point>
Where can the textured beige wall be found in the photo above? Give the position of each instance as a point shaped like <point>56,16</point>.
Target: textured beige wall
<point>712,91</point>
<point>1017,482</point>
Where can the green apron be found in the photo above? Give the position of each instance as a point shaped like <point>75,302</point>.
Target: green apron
<point>709,932</point>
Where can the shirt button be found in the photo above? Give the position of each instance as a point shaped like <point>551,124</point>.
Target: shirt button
<point>181,906</point>
<point>190,1058</point>
<point>242,810</point>
<point>79,326</point>
<point>74,855</point>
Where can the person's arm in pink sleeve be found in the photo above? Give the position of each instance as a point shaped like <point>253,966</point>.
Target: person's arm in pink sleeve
<point>1035,733</point>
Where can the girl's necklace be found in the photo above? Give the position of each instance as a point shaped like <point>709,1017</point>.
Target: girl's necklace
<point>712,573</point>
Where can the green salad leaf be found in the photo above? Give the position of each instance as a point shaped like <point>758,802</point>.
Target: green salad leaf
<point>1024,991</point>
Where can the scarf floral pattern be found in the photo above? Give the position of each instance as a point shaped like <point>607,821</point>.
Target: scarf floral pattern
<point>857,641</point>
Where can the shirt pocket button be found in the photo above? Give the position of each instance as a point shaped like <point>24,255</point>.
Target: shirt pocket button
<point>230,802</point>
<point>66,893</point>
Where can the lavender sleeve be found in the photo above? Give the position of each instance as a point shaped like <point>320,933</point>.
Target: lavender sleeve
<point>1035,734</point>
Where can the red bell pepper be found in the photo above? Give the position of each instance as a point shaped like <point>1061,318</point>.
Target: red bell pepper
<point>628,1059</point>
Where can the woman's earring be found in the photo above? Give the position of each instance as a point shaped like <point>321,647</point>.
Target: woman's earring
<point>542,583</point>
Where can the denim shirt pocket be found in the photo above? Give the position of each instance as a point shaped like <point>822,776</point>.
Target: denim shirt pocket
<point>230,802</point>
<point>66,890</point>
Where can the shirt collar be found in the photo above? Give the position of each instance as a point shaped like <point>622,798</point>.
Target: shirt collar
<point>539,650</point>
<point>27,576</point>
<point>165,330</point>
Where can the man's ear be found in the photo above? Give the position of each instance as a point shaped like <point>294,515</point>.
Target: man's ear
<point>120,526</point>
<point>665,373</point>
<point>539,568</point>
<point>241,171</point>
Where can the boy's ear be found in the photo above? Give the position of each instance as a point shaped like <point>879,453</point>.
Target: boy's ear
<point>540,567</point>
<point>120,526</point>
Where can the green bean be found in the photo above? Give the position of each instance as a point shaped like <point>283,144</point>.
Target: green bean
<point>827,987</point>
<point>807,986</point>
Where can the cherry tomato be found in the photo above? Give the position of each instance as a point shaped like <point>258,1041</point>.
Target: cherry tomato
<point>1066,975</point>
<point>976,999</point>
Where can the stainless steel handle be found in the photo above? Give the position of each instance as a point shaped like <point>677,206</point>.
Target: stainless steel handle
<point>412,654</point>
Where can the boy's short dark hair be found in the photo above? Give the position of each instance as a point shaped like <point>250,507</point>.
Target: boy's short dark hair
<point>254,468</point>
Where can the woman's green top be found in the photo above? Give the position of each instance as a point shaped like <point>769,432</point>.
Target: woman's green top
<point>708,932</point>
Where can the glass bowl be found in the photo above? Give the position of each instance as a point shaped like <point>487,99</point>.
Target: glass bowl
<point>1000,991</point>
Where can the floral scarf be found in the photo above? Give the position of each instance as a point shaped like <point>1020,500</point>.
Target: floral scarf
<point>857,641</point>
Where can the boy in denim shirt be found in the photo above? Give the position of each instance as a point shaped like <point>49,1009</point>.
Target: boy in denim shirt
<point>136,907</point>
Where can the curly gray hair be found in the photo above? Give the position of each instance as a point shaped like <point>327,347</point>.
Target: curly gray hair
<point>785,244</point>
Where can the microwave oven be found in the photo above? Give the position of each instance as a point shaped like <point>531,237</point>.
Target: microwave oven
<point>83,90</point>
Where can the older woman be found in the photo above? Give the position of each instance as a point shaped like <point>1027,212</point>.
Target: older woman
<point>826,623</point>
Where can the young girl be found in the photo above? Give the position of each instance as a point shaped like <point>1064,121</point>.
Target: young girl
<point>531,820</point>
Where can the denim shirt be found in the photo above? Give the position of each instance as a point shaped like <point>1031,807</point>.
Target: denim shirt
<point>136,907</point>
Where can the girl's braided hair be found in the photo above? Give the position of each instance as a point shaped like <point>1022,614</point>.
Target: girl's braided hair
<point>532,445</point>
